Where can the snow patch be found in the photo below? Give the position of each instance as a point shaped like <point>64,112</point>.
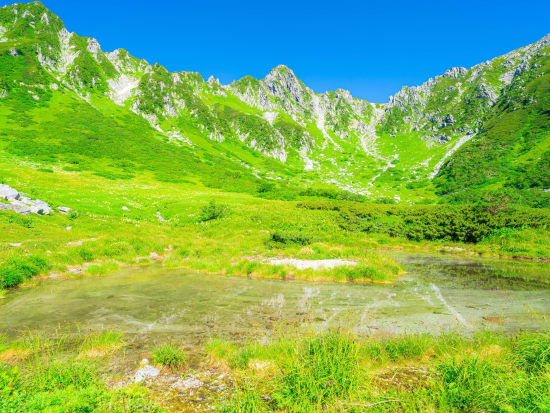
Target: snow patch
<point>303,152</point>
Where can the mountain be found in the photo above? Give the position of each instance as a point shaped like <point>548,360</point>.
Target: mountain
<point>63,100</point>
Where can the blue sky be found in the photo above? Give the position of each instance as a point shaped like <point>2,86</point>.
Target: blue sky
<point>370,48</point>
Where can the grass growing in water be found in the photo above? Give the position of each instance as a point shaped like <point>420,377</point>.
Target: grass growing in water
<point>169,356</point>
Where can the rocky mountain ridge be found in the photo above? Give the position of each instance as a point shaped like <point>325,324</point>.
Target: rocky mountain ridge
<point>331,134</point>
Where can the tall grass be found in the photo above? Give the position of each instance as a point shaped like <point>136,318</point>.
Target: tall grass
<point>317,371</point>
<point>169,356</point>
<point>337,371</point>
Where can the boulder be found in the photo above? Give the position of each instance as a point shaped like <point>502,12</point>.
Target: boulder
<point>64,210</point>
<point>21,204</point>
<point>37,206</point>
<point>16,207</point>
<point>8,193</point>
<point>146,372</point>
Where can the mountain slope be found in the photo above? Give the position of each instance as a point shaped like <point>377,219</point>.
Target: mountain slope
<point>112,107</point>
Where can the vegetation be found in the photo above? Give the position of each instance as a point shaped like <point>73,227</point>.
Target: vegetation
<point>212,211</point>
<point>169,356</point>
<point>336,371</point>
<point>198,184</point>
<point>51,374</point>
<point>305,372</point>
<point>432,222</point>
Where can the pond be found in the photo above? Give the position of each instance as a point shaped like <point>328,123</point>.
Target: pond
<point>437,294</point>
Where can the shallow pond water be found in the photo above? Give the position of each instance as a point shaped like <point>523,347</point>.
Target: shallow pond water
<point>437,294</point>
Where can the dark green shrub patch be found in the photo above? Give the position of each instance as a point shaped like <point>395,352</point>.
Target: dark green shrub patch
<point>20,268</point>
<point>212,211</point>
<point>332,193</point>
<point>464,223</point>
<point>287,237</point>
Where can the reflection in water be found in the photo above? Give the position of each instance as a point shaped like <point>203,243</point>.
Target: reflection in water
<point>437,294</point>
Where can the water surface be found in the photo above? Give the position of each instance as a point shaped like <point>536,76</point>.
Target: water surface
<point>438,293</point>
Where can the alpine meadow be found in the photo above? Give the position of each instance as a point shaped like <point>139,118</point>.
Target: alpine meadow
<point>170,243</point>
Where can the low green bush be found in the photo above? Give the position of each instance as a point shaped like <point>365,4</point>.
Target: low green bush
<point>17,269</point>
<point>212,211</point>
<point>287,237</point>
<point>466,223</point>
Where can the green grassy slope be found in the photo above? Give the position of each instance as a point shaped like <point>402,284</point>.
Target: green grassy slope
<point>510,159</point>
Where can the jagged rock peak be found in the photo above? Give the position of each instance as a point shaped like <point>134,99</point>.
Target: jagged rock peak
<point>455,72</point>
<point>282,70</point>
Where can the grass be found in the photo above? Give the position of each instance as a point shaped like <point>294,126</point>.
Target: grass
<point>336,371</point>
<point>54,376</point>
<point>101,344</point>
<point>169,356</point>
<point>300,371</point>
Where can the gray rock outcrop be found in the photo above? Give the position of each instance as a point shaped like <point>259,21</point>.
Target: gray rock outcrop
<point>13,200</point>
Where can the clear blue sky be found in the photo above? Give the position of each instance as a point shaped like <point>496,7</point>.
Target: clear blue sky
<point>371,48</point>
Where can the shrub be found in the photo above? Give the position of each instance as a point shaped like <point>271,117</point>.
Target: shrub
<point>10,277</point>
<point>18,269</point>
<point>290,238</point>
<point>464,223</point>
<point>212,211</point>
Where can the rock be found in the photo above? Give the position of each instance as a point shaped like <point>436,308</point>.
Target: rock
<point>125,208</point>
<point>16,207</point>
<point>69,228</point>
<point>145,373</point>
<point>160,218</point>
<point>37,206</point>
<point>441,138</point>
<point>64,210</point>
<point>154,256</point>
<point>8,193</point>
<point>448,121</point>
<point>455,72</point>
<point>21,204</point>
<point>15,244</point>
<point>190,382</point>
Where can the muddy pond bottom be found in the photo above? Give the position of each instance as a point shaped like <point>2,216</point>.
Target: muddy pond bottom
<point>437,294</point>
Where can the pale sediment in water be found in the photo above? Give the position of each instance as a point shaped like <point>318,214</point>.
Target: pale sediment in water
<point>311,264</point>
